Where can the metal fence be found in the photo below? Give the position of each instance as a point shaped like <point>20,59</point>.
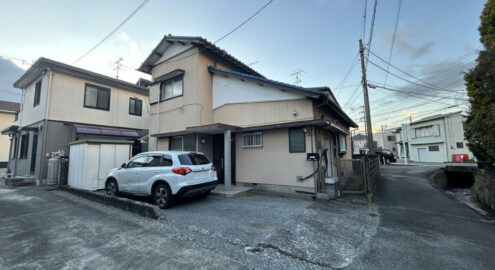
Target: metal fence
<point>359,176</point>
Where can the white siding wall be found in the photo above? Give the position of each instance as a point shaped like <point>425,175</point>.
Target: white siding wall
<point>227,90</point>
<point>30,114</point>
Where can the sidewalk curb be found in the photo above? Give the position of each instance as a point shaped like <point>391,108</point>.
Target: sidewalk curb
<point>140,208</point>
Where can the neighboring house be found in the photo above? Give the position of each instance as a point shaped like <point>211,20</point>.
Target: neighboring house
<point>438,138</point>
<point>399,145</point>
<point>255,130</point>
<point>360,147</point>
<point>386,140</point>
<point>8,113</point>
<point>62,104</point>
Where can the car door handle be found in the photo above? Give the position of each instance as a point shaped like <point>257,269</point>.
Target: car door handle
<point>156,171</point>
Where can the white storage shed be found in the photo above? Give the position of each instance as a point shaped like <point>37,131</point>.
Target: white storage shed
<point>90,161</point>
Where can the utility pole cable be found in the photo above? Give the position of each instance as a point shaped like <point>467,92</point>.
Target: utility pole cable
<point>369,129</point>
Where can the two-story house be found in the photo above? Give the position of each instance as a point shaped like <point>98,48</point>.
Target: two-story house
<point>255,130</point>
<point>8,114</point>
<point>437,138</point>
<point>62,104</point>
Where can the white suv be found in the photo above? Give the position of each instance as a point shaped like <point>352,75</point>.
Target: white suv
<point>164,175</point>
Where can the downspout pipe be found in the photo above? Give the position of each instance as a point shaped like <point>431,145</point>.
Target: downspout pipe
<point>47,107</point>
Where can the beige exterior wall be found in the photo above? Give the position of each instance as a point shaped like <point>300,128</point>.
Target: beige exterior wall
<point>29,113</point>
<point>333,119</point>
<point>263,113</point>
<point>67,104</point>
<point>273,164</point>
<point>6,120</point>
<point>176,113</point>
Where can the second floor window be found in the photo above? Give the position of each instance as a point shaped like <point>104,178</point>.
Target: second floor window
<point>97,97</point>
<point>171,88</point>
<point>135,106</point>
<point>37,94</point>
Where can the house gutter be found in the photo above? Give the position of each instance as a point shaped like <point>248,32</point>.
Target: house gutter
<point>45,124</point>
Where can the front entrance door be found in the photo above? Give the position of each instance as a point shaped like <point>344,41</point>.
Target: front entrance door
<point>422,154</point>
<point>218,157</point>
<point>34,152</point>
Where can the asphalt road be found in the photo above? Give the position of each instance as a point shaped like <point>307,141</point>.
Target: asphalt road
<point>40,230</point>
<point>422,228</point>
<point>411,225</point>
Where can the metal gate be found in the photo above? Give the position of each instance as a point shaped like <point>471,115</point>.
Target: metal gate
<point>359,176</point>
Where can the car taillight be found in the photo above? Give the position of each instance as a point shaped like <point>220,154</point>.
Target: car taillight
<point>181,170</point>
<point>213,168</point>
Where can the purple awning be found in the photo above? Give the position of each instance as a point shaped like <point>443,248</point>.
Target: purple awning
<point>106,131</point>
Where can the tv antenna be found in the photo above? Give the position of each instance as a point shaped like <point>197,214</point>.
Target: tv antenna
<point>298,73</point>
<point>118,65</point>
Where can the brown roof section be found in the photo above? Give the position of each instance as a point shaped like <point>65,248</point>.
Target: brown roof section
<point>9,106</point>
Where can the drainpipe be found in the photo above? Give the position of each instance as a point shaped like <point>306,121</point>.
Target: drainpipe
<point>47,107</point>
<point>227,171</point>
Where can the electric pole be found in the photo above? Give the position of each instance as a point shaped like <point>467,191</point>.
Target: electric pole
<point>371,147</point>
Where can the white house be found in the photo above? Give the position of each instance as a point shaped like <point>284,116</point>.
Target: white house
<point>438,138</point>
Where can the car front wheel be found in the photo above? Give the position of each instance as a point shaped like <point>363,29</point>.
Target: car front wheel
<point>112,188</point>
<point>162,196</point>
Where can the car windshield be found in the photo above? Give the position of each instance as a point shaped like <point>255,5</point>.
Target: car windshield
<point>193,159</point>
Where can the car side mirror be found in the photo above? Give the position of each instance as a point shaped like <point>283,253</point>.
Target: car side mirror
<point>123,165</point>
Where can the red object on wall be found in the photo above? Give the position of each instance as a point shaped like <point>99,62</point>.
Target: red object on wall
<point>459,157</point>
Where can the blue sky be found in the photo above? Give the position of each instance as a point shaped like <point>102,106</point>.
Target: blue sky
<point>435,41</point>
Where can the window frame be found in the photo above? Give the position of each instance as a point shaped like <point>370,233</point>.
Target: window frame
<point>141,107</point>
<point>437,147</point>
<point>23,152</point>
<point>461,145</point>
<point>304,140</point>
<point>252,145</point>
<point>162,158</point>
<point>138,157</point>
<point>98,88</point>
<point>342,150</point>
<point>37,93</point>
<point>181,77</point>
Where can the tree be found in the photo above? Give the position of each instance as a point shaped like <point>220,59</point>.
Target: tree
<point>480,82</point>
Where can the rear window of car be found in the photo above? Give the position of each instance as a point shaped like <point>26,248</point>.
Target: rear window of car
<point>193,159</point>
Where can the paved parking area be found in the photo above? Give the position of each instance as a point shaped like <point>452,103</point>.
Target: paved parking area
<point>40,230</point>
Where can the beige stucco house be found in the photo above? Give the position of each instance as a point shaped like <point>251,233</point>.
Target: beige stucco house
<point>255,130</point>
<point>61,104</point>
<point>8,112</point>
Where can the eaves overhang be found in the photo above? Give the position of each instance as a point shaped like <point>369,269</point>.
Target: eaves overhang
<point>42,64</point>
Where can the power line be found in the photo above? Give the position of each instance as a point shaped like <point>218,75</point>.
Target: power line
<point>393,41</point>
<point>409,81</point>
<point>425,82</point>
<point>351,68</point>
<point>414,93</point>
<point>243,23</point>
<point>371,30</point>
<point>224,36</point>
<point>113,31</point>
<point>18,59</point>
<point>365,10</point>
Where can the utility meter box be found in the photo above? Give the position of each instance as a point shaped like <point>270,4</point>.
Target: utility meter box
<point>312,156</point>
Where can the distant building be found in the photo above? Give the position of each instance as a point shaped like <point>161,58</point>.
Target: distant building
<point>359,145</point>
<point>386,140</point>
<point>8,112</point>
<point>438,138</point>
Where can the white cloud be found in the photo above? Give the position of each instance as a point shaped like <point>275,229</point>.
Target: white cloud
<point>131,43</point>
